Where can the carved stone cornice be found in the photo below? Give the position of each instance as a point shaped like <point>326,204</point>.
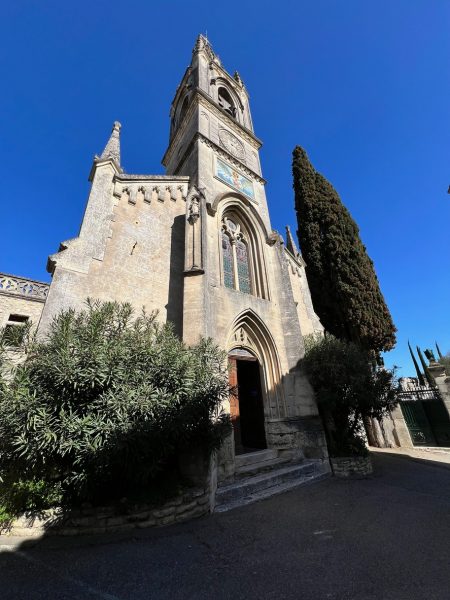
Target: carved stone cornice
<point>12,285</point>
<point>152,187</point>
<point>124,177</point>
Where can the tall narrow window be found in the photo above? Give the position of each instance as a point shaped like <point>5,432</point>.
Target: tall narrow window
<point>237,272</point>
<point>242,267</point>
<point>227,254</point>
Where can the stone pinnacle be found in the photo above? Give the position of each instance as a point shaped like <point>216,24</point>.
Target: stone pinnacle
<point>112,148</point>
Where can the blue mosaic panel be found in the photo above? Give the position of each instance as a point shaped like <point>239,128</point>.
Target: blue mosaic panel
<point>243,268</point>
<point>234,179</point>
<point>228,274</point>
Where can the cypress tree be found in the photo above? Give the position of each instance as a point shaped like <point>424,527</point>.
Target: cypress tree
<point>344,287</point>
<point>428,375</point>
<point>416,366</point>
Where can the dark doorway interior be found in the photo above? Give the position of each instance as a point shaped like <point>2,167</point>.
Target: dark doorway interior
<point>247,409</point>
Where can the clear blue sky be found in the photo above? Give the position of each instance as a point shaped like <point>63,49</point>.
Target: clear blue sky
<point>364,86</point>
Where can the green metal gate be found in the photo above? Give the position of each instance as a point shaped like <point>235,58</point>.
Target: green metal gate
<point>426,417</point>
<point>417,423</point>
<point>439,421</point>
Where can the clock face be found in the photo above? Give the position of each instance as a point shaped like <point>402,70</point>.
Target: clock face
<point>231,143</point>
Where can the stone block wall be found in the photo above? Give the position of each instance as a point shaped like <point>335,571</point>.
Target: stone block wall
<point>352,466</point>
<point>130,247</point>
<point>19,305</point>
<point>89,521</point>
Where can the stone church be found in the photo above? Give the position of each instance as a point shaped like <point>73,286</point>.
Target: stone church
<point>197,245</point>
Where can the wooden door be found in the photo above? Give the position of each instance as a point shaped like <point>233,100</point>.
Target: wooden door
<point>234,404</point>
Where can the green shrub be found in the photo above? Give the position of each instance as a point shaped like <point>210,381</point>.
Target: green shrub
<point>29,495</point>
<point>107,402</point>
<point>348,389</point>
<point>5,516</point>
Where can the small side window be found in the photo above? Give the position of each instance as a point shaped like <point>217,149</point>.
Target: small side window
<point>14,331</point>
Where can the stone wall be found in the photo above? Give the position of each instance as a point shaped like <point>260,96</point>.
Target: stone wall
<point>352,466</point>
<point>442,382</point>
<point>130,247</point>
<point>306,433</point>
<point>21,297</point>
<point>88,520</point>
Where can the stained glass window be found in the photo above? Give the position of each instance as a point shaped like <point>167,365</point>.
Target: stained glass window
<point>242,267</point>
<point>231,225</point>
<point>228,273</point>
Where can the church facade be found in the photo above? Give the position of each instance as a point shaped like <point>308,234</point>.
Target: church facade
<point>196,244</point>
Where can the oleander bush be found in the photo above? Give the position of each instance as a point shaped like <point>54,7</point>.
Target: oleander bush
<point>103,406</point>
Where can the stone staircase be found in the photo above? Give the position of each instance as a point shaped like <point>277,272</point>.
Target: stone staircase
<point>265,473</point>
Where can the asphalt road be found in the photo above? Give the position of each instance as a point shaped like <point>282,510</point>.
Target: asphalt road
<point>383,538</point>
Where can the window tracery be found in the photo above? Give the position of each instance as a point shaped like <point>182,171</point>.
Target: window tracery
<point>235,257</point>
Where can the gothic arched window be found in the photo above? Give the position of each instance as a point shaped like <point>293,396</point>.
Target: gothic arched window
<point>226,102</point>
<point>235,257</point>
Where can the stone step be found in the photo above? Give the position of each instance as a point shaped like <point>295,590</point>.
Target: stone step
<point>251,489</point>
<point>250,458</point>
<point>259,467</point>
<point>271,491</point>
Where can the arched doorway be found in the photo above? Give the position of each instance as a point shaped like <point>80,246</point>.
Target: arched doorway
<point>246,401</point>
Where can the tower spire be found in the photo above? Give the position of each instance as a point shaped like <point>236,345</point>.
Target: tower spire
<point>112,148</point>
<point>202,43</point>
<point>290,243</point>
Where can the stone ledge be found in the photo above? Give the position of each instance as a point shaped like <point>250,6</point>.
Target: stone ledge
<point>351,466</point>
<point>91,521</point>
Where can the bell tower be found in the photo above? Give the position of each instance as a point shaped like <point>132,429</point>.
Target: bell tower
<point>211,131</point>
<point>228,228</point>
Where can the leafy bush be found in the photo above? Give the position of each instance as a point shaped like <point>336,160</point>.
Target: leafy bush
<point>107,402</point>
<point>348,389</point>
<point>30,495</point>
<point>5,516</point>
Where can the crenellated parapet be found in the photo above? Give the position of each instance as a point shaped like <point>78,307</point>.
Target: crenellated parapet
<point>11,285</point>
<point>151,188</point>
